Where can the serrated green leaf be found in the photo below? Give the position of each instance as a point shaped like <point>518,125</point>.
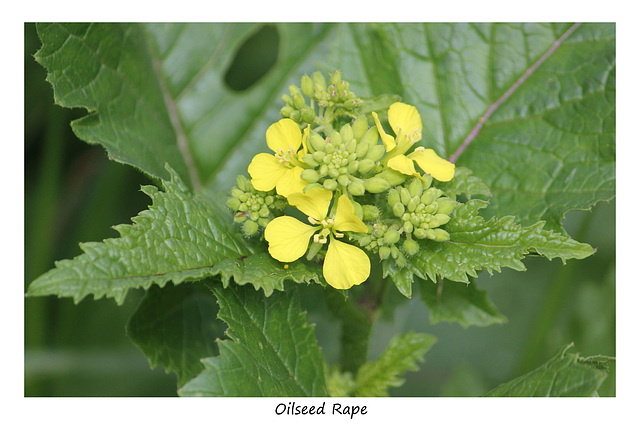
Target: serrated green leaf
<point>477,244</point>
<point>176,327</point>
<point>271,350</point>
<point>264,272</point>
<point>564,375</point>
<point>458,302</point>
<point>181,237</point>
<point>374,378</point>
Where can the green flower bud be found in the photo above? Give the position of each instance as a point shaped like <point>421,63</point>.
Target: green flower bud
<point>240,217</point>
<point>344,180</point>
<point>307,114</point>
<point>411,247</point>
<point>392,177</point>
<point>330,148</point>
<point>405,196</point>
<point>295,116</point>
<point>384,252</point>
<point>376,185</point>
<point>391,236</point>
<point>370,212</point>
<point>233,203</point>
<point>420,233</point>
<point>310,160</point>
<point>441,235</point>
<point>318,79</point>
<point>333,172</point>
<point>356,188</point>
<point>401,260</point>
<point>361,150</point>
<point>413,204</point>
<point>287,99</point>
<point>393,197</point>
<point>263,222</point>
<point>335,138</point>
<point>243,207</point>
<point>298,101</point>
<point>446,205</point>
<point>318,156</point>
<point>360,126</point>
<point>250,228</point>
<point>310,175</point>
<point>316,142</point>
<point>370,137</point>
<point>353,167</point>
<point>442,218</point>
<point>432,208</point>
<point>336,77</point>
<point>375,152</point>
<point>253,215</point>
<point>365,165</point>
<point>408,227</point>
<point>330,184</point>
<point>264,212</point>
<point>430,195</point>
<point>324,170</point>
<point>350,145</point>
<point>364,241</point>
<point>237,193</point>
<point>431,234</point>
<point>286,111</point>
<point>415,188</point>
<point>243,182</point>
<point>346,132</point>
<point>293,90</point>
<point>307,86</point>
<point>352,103</point>
<point>268,200</point>
<point>395,252</point>
<point>398,209</point>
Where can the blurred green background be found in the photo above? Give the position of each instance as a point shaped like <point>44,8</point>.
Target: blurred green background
<point>73,194</point>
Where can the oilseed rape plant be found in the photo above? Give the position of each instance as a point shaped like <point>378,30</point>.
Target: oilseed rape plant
<point>352,180</point>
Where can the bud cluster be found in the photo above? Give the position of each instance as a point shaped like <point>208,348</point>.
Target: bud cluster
<point>345,160</point>
<point>253,208</point>
<point>335,97</point>
<point>417,211</point>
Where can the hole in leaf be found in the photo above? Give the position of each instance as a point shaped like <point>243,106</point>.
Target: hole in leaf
<point>254,59</point>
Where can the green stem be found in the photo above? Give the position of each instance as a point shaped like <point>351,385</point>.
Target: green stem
<point>355,329</point>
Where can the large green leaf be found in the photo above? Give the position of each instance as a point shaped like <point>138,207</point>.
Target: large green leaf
<point>271,350</point>
<point>181,237</point>
<point>156,94</point>
<point>564,375</point>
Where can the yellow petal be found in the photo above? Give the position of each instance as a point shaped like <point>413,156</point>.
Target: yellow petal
<point>345,265</point>
<point>266,171</point>
<point>288,238</point>
<point>402,164</point>
<point>345,219</point>
<point>431,163</point>
<point>388,141</point>
<point>314,203</point>
<point>284,134</point>
<point>290,182</point>
<point>405,119</point>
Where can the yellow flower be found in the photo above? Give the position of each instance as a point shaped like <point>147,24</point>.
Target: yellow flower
<point>282,170</point>
<point>344,265</point>
<point>407,125</point>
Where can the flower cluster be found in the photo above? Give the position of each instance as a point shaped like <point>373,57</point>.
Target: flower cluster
<point>356,198</point>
